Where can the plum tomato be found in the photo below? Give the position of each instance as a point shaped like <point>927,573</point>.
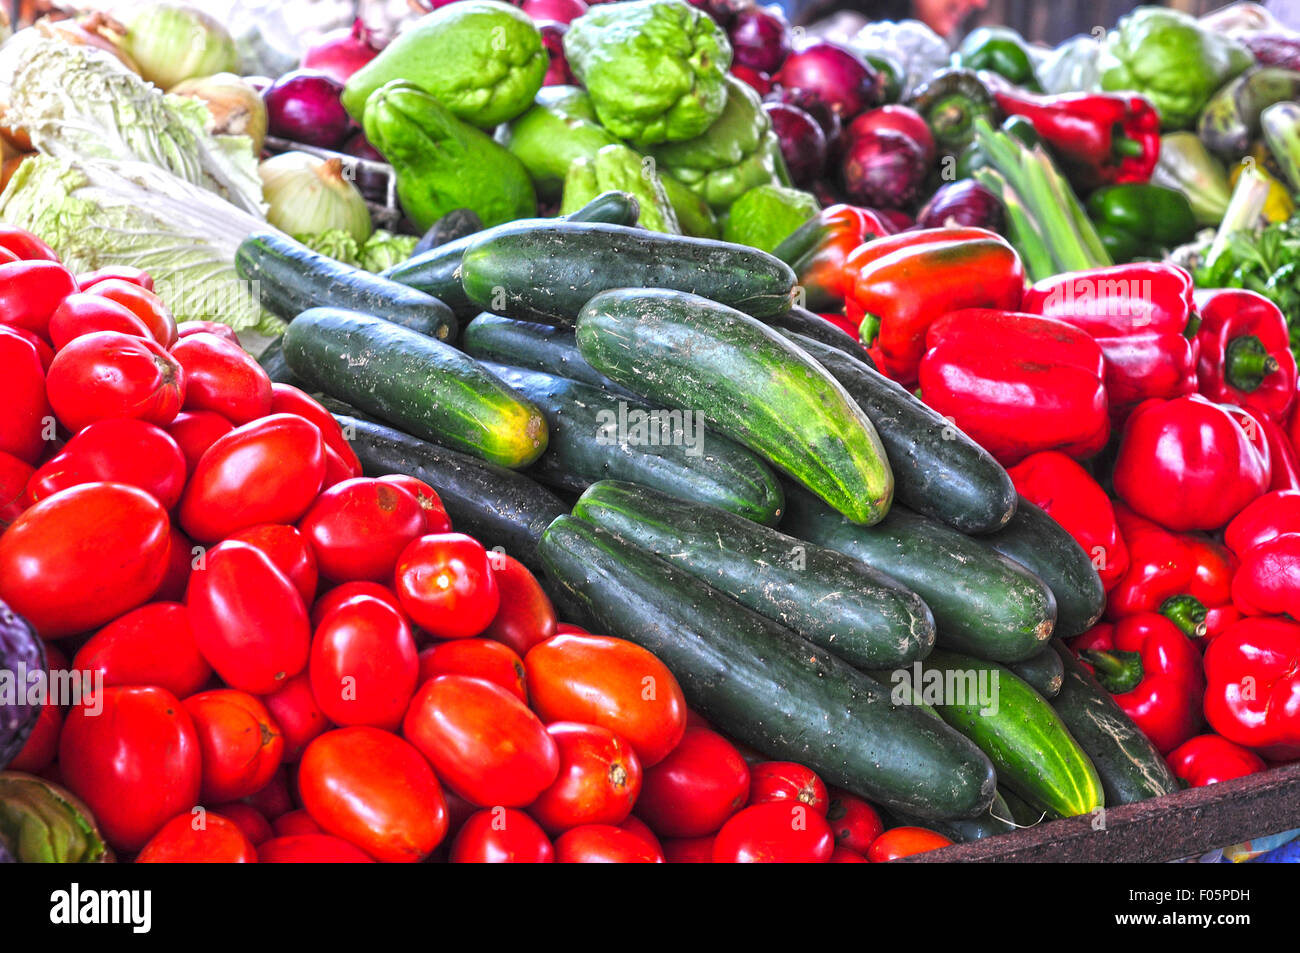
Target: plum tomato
<point>199,837</point>
<point>223,377</point>
<point>904,842</point>
<point>31,290</point>
<point>526,615</point>
<point>692,792</point>
<point>241,743</point>
<point>599,779</point>
<point>446,585</point>
<point>329,601</point>
<point>501,835</point>
<point>196,430</point>
<point>151,645</point>
<point>479,658</point>
<point>294,708</point>
<point>854,822</point>
<point>363,664</point>
<point>143,303</point>
<point>604,844</point>
<point>80,314</point>
<point>435,517</point>
<point>311,849</point>
<point>25,427</point>
<point>286,548</point>
<point>120,450</point>
<point>774,832</point>
<point>359,527</point>
<point>110,374</point>
<point>786,780</point>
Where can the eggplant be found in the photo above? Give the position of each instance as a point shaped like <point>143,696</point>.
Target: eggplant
<point>21,652</point>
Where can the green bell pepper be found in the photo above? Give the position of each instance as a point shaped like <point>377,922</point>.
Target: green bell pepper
<point>1140,220</point>
<point>1000,50</point>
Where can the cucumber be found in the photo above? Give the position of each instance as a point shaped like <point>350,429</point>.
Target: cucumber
<point>537,347</point>
<point>799,321</point>
<point>1041,545</point>
<point>1130,767</point>
<point>938,470</point>
<point>1030,747</point>
<point>425,387</point>
<point>496,506</point>
<point>1023,813</point>
<point>437,271</point>
<point>593,436</point>
<point>1043,671</point>
<point>292,278</point>
<point>983,603</point>
<point>760,683</point>
<point>273,362</point>
<point>996,820</point>
<point>843,605</point>
<point>750,383</point>
<point>548,272</point>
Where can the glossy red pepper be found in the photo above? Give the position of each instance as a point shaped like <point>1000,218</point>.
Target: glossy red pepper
<point>1271,515</point>
<point>1039,388</point>
<point>1284,461</point>
<point>1268,580</point>
<point>818,250</point>
<point>1245,354</point>
<point>1154,672</point>
<point>1252,693</point>
<point>1209,759</point>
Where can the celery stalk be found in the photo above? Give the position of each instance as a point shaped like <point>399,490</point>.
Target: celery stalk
<point>1244,210</point>
<point>1024,234</point>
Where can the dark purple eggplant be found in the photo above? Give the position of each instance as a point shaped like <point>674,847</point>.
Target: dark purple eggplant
<point>965,202</point>
<point>21,653</point>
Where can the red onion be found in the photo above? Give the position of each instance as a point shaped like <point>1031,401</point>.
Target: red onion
<point>883,169</point>
<point>558,73</point>
<point>761,83</point>
<point>962,203</point>
<point>561,11</point>
<point>829,120</point>
<point>899,118</point>
<point>304,106</point>
<point>760,39</point>
<point>373,185</point>
<point>832,75</point>
<point>723,12</point>
<point>803,144</point>
<point>342,52</point>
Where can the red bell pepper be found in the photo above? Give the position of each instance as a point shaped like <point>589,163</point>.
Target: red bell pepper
<point>1188,463</point>
<point>1154,672</point>
<point>1268,580</point>
<point>1099,138</point>
<point>1271,515</point>
<point>1245,354</point>
<point>1209,759</point>
<point>1284,462</point>
<point>818,249</point>
<point>1074,499</point>
<point>906,281</point>
<point>1252,694</point>
<point>1017,383</point>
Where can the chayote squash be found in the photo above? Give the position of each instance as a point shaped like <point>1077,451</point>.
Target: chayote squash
<point>620,168</point>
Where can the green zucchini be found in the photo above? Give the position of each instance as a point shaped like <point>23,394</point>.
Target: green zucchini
<point>1041,545</point>
<point>292,278</point>
<point>417,383</point>
<point>548,272</point>
<point>595,435</point>
<point>537,347</point>
<point>938,470</point>
<point>1043,671</point>
<point>1130,767</point>
<point>844,606</point>
<point>763,685</point>
<point>496,506</point>
<point>983,603</point>
<point>750,383</point>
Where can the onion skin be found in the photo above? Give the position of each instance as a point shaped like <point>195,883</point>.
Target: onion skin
<point>342,52</point>
<point>171,42</point>
<point>308,196</point>
<point>962,203</point>
<point>832,75</point>
<point>803,144</point>
<point>883,169</point>
<point>236,108</point>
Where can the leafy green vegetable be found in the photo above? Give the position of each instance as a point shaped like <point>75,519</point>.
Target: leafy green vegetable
<point>1267,262</point>
<point>380,251</point>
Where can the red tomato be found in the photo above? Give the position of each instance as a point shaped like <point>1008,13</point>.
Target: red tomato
<point>786,780</point>
<point>135,762</point>
<point>375,791</point>
<point>136,276</point>
<point>599,680</point>
<point>198,837</point>
<point>480,658</point>
<point>287,399</point>
<point>151,645</point>
<point>634,825</point>
<point>526,616</point>
<point>180,562</point>
<point>223,331</point>
<point>363,664</point>
<point>42,745</point>
<point>774,832</point>
<point>568,628</point>
<point>483,741</point>
<point>604,844</point>
<point>692,792</point>
<point>843,855</point>
<point>196,430</point>
<point>84,556</point>
<point>240,741</point>
<point>459,810</point>
<point>25,424</point>
<point>14,474</point>
<point>501,835</point>
<point>81,314</point>
<point>272,801</point>
<point>904,842</point>
<point>294,708</point>
<point>109,374</point>
<point>25,246</point>
<point>435,517</point>
<point>599,779</point>
<point>43,350</point>
<point>223,377</point>
<point>689,850</point>
<point>286,548</point>
<point>310,849</point>
<point>331,600</point>
<point>31,290</point>
<point>249,621</point>
<point>854,822</point>
<point>295,822</point>
<point>141,302</point>
<point>248,819</point>
<point>121,450</point>
<point>268,471</point>
<point>446,585</point>
<point>359,527</point>
<point>336,470</point>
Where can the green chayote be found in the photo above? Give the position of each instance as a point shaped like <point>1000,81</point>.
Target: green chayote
<point>619,168</point>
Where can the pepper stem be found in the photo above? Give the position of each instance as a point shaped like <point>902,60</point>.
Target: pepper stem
<point>1124,146</point>
<point>868,329</point>
<point>1187,613</point>
<point>1246,363</point>
<point>1118,672</point>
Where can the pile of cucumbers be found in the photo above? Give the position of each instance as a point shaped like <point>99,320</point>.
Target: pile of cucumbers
<point>835,573</point>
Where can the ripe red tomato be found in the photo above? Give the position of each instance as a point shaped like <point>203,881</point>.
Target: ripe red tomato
<point>774,832</point>
<point>599,680</point>
<point>286,548</point>
<point>109,374</point>
<point>31,290</point>
<point>180,563</point>
<point>526,616</point>
<point>904,842</point>
<point>692,792</point>
<point>599,779</point>
<point>300,718</point>
<point>295,822</point>
<point>80,314</point>
<point>604,844</point>
<point>331,600</point>
<point>83,557</point>
<point>482,740</point>
<point>502,835</point>
<point>240,741</point>
<point>274,800</point>
<point>223,331</point>
<point>43,350</point>
<point>120,450</point>
<point>249,621</point>
<point>223,377</point>
<point>143,303</point>
<point>435,517</point>
<point>854,822</point>
<point>14,474</point>
<point>336,470</point>
<point>151,645</point>
<point>568,628</point>
<point>287,399</point>
<point>363,664</point>
<point>480,658</point>
<point>248,819</point>
<point>198,838</point>
<point>634,825</point>
<point>196,430</point>
<point>359,527</point>
<point>843,855</point>
<point>268,471</point>
<point>24,245</point>
<point>42,745</point>
<point>446,585</point>
<point>25,424</point>
<point>375,791</point>
<point>137,276</point>
<point>135,762</point>
<point>689,850</point>
<point>310,849</point>
<point>786,780</point>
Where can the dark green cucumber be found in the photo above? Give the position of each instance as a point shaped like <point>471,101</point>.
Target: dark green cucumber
<point>1043,671</point>
<point>437,271</point>
<point>845,606</point>
<point>1023,813</point>
<point>548,272</point>
<point>537,347</point>
<point>593,436</point>
<point>292,278</point>
<point>750,383</point>
<point>996,820</point>
<point>938,470</point>
<point>1041,545</point>
<point>1130,767</point>
<point>1030,747</point>
<point>760,683</point>
<point>425,387</point>
<point>496,506</point>
<point>809,325</point>
<point>273,362</point>
<point>983,603</point>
